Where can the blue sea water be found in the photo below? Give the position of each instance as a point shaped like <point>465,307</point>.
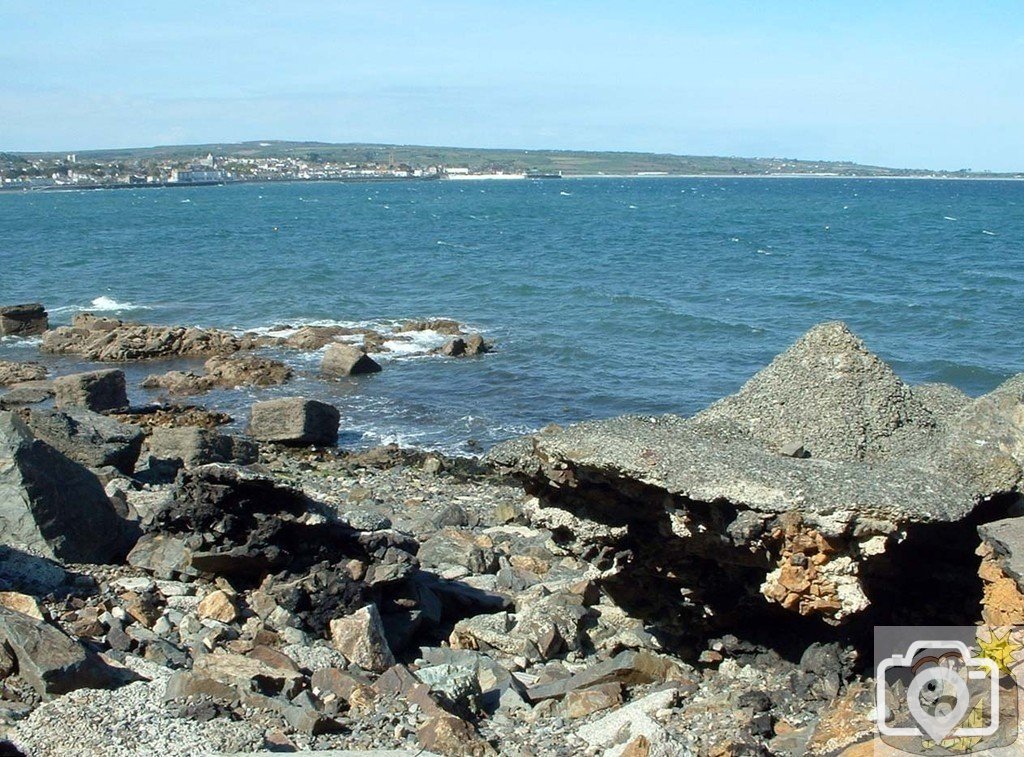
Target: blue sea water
<point>604,296</point>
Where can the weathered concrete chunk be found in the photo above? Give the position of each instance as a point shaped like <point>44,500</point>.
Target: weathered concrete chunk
<point>88,438</point>
<point>347,360</point>
<point>190,446</point>
<point>52,505</point>
<point>23,320</point>
<point>16,373</point>
<point>296,421</point>
<point>98,391</point>
<point>360,637</point>
<point>830,392</point>
<point>50,661</point>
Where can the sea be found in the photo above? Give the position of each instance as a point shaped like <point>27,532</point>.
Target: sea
<point>602,296</point>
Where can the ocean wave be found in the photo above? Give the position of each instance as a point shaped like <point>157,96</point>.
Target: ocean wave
<point>106,304</point>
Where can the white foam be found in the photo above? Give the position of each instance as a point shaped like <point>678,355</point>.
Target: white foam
<point>949,218</point>
<point>109,304</point>
<point>988,233</point>
<point>414,343</point>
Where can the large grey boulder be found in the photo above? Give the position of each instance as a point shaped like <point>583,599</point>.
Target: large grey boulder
<point>53,506</point>
<point>295,421</point>
<point>26,393</point>
<point>50,661</point>
<point>98,391</point>
<point>88,438</point>
<point>23,320</point>
<point>347,360</point>
<point>190,446</point>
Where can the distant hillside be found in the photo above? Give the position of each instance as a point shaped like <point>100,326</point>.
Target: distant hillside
<point>570,162</point>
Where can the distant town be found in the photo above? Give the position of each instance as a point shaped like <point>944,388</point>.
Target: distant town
<point>194,165</point>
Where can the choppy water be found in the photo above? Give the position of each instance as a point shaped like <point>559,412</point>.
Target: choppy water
<point>604,296</point>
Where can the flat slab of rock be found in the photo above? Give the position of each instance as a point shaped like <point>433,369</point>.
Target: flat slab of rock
<point>295,421</point>
<point>50,661</point>
<point>88,438</point>
<point>27,393</point>
<point>224,372</point>
<point>16,373</point>
<point>347,360</point>
<point>52,505</point>
<point>23,320</point>
<point>99,391</point>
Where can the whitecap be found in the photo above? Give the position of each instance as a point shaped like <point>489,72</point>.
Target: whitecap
<point>949,218</point>
<point>565,194</point>
<point>186,200</point>
<point>632,207</point>
<point>109,304</point>
<point>988,233</point>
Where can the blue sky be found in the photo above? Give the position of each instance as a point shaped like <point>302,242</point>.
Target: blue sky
<point>921,84</point>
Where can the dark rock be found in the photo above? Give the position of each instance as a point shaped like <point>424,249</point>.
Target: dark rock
<point>295,421</point>
<point>629,668</point>
<point>347,360</point>
<point>50,661</point>
<point>88,438</point>
<point>53,505</point>
<point>23,320</point>
<point>98,391</point>
<point>23,572</point>
<point>440,325</point>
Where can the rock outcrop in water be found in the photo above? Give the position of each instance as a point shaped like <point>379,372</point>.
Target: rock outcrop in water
<point>225,373</point>
<point>110,340</point>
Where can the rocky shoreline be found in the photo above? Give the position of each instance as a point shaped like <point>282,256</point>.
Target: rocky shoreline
<point>636,586</point>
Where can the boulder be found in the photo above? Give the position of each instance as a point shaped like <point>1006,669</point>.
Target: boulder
<point>190,446</point>
<point>50,661</point>
<point>23,320</point>
<point>360,637</point>
<point>16,373</point>
<point>295,421</point>
<point>440,325</point>
<point>27,393</point>
<point>54,506</point>
<point>347,360</point>
<point>98,391</point>
<point>88,438</point>
<point>474,344</point>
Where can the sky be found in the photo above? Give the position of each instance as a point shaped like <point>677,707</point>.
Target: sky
<point>937,84</point>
